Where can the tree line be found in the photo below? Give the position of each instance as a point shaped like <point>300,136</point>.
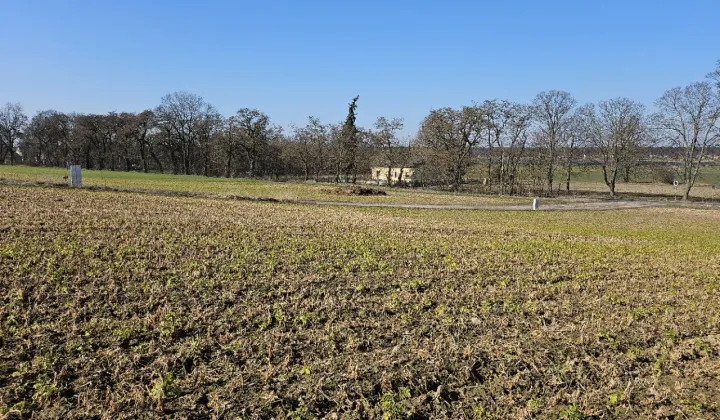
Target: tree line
<point>517,145</point>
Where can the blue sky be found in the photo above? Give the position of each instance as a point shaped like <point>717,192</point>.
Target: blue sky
<point>292,59</point>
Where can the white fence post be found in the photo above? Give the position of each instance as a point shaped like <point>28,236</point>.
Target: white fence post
<point>75,176</point>
<point>536,203</point>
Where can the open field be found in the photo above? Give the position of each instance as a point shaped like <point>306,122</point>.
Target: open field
<point>591,180</point>
<point>655,190</point>
<point>708,175</point>
<point>137,305</point>
<point>252,188</point>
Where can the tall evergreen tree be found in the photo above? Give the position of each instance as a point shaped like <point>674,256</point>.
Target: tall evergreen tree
<point>348,145</point>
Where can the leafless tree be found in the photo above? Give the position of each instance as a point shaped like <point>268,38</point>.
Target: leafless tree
<point>207,134</point>
<point>13,122</point>
<point>687,118</point>
<point>100,131</point>
<point>573,138</point>
<point>450,137</point>
<point>229,145</point>
<point>135,132</point>
<point>715,76</point>
<point>319,141</point>
<point>496,114</point>
<point>505,134</point>
<point>49,139</point>
<point>254,132</point>
<point>385,140</point>
<point>183,117</point>
<point>616,129</point>
<point>512,144</point>
<point>552,111</point>
<point>309,147</point>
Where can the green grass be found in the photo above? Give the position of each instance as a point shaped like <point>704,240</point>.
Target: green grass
<point>254,188</point>
<point>586,179</point>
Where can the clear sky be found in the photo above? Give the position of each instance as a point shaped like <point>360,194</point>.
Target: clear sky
<point>292,59</point>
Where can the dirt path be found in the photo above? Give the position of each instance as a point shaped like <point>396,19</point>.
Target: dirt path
<point>584,205</point>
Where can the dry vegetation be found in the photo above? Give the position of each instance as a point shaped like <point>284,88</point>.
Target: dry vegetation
<point>141,305</point>
<point>700,192</point>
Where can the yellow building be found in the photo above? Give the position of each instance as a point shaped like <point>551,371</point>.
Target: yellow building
<point>397,175</point>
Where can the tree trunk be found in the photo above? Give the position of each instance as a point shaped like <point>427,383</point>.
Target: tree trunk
<point>186,162</point>
<point>88,161</point>
<point>173,158</point>
<point>502,179</point>
<point>610,181</point>
<point>489,170</point>
<point>626,175</point>
<point>550,179</point>
<point>143,157</point>
<point>157,161</point>
<point>567,179</point>
<point>252,166</point>
<point>228,162</point>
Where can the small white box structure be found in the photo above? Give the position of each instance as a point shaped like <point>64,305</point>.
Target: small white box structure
<point>75,176</point>
<point>536,203</point>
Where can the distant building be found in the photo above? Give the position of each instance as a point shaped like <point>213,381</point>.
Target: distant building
<point>397,175</point>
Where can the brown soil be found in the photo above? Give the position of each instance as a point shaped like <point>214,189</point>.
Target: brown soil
<point>354,190</point>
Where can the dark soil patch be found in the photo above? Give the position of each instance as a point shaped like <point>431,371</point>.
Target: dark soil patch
<point>355,190</point>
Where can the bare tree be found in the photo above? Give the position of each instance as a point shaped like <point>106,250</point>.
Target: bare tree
<point>496,114</point>
<point>616,130</point>
<point>207,129</point>
<point>512,145</point>
<point>319,142</point>
<point>49,139</point>
<point>100,132</point>
<point>136,130</point>
<point>12,123</point>
<point>553,112</point>
<point>254,131</point>
<point>715,76</point>
<point>450,137</point>
<point>505,133</point>
<point>309,144</point>
<point>183,116</point>
<point>229,145</point>
<point>385,140</point>
<point>687,118</point>
<point>569,143</point>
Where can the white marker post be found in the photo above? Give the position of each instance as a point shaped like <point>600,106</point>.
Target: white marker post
<point>675,184</point>
<point>536,203</point>
<point>75,176</point>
